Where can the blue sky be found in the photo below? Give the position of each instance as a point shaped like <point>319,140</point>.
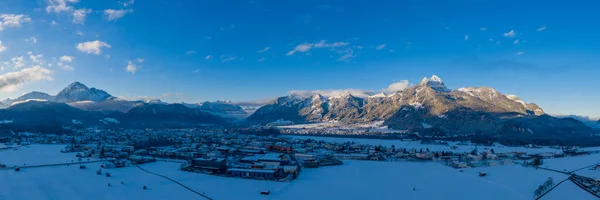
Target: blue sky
<point>192,51</point>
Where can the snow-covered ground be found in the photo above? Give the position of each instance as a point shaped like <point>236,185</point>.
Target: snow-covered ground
<point>35,155</point>
<point>353,180</point>
<point>70,182</point>
<point>575,163</point>
<point>568,190</point>
<point>432,147</point>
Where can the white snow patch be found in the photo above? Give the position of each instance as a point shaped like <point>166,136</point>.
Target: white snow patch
<point>417,105</point>
<point>379,95</point>
<point>516,99</point>
<point>110,120</point>
<point>28,100</point>
<point>83,102</point>
<point>425,125</point>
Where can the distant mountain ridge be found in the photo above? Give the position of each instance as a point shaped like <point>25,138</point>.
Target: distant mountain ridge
<point>42,112</point>
<point>74,92</point>
<point>81,96</point>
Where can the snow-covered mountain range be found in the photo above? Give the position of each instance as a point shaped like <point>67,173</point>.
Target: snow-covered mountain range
<point>431,92</point>
<point>429,104</point>
<point>82,97</point>
<point>80,106</point>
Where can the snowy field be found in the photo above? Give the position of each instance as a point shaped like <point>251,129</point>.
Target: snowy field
<point>432,147</point>
<point>353,180</point>
<point>568,191</point>
<point>575,163</point>
<point>35,155</point>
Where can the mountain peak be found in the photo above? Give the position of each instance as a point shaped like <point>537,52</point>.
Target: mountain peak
<point>77,91</point>
<point>433,79</point>
<point>77,85</point>
<point>345,95</point>
<point>434,82</point>
<point>317,97</point>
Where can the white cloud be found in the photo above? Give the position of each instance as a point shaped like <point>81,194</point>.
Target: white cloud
<point>511,33</point>
<point>128,3</point>
<point>18,61</point>
<point>79,33</point>
<point>12,81</point>
<point>31,39</point>
<point>483,29</point>
<point>347,54</point>
<point>381,46</point>
<point>139,60</point>
<point>65,67</point>
<point>397,86</point>
<point>12,20</point>
<point>2,47</point>
<point>227,58</point>
<point>107,57</point>
<point>339,44</point>
<point>324,44</point>
<point>92,47</point>
<point>53,23</point>
<point>58,6</point>
<point>520,53</point>
<point>264,50</point>
<point>321,44</point>
<point>516,42</point>
<point>112,15</point>
<point>466,37</point>
<point>542,28</point>
<point>3,65</point>
<point>190,52</point>
<point>66,59</point>
<point>131,67</point>
<point>300,48</point>
<point>79,15</point>
<point>208,57</point>
<point>35,59</point>
<point>261,59</point>
<point>196,71</point>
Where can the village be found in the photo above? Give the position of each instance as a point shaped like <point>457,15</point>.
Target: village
<point>266,157</point>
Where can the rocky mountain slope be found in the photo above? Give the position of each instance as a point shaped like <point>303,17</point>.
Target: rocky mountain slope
<point>429,104</point>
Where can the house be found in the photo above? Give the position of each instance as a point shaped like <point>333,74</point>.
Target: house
<point>216,165</point>
<point>274,159</point>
